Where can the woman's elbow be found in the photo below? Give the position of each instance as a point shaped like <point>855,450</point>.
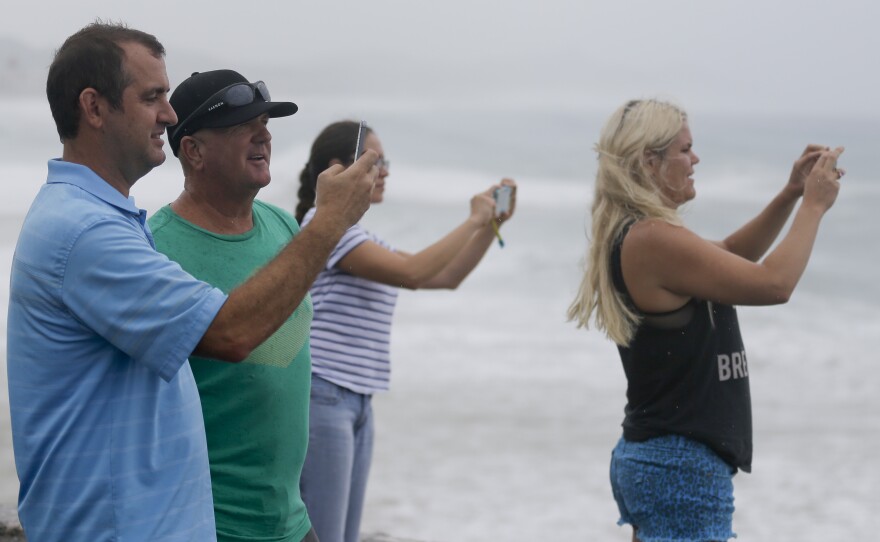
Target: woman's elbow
<point>439,282</point>
<point>452,284</point>
<point>780,299</point>
<point>408,283</point>
<point>779,294</point>
<point>414,281</point>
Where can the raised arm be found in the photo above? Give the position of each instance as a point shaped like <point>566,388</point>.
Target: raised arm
<point>754,239</point>
<point>451,276</point>
<point>257,308</point>
<point>444,264</point>
<point>666,265</point>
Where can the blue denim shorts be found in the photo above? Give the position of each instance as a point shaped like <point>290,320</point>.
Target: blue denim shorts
<point>672,488</point>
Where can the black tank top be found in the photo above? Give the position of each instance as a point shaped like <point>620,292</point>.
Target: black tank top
<point>687,375</point>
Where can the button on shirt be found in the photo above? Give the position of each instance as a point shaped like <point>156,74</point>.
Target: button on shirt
<point>107,426</point>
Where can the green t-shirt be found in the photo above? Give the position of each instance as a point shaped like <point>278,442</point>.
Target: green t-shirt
<point>257,411</point>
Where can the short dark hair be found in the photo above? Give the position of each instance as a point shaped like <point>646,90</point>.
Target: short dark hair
<point>91,58</point>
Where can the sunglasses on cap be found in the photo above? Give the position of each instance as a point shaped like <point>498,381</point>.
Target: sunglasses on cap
<point>236,95</point>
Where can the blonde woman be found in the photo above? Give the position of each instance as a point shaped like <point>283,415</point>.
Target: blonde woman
<point>666,297</point>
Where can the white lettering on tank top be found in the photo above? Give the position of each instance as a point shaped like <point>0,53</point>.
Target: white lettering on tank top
<point>733,366</point>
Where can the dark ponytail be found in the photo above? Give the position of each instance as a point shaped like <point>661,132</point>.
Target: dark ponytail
<point>306,194</point>
<point>335,142</point>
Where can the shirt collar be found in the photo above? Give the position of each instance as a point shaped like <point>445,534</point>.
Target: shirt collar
<point>83,177</point>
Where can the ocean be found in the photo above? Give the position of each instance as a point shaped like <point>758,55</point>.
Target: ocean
<point>502,416</point>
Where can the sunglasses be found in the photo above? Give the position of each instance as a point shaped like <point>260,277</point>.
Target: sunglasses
<point>236,95</point>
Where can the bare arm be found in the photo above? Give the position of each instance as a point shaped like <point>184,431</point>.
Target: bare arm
<point>451,276</point>
<point>459,251</point>
<point>257,308</point>
<point>666,265</point>
<point>754,239</point>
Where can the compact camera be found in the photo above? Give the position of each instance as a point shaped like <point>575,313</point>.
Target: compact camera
<point>502,199</point>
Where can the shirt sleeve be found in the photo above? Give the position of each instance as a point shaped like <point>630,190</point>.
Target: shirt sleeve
<point>134,297</point>
<point>353,237</point>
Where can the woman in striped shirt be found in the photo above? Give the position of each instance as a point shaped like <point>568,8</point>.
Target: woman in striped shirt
<point>354,298</point>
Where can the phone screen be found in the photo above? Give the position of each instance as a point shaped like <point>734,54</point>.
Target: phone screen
<point>502,200</point>
<point>359,146</point>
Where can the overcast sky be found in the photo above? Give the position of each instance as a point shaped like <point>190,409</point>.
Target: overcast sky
<point>816,58</point>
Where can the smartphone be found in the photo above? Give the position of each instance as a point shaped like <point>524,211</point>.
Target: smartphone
<point>502,199</point>
<point>362,135</point>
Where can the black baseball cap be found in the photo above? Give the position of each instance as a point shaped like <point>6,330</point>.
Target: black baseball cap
<point>190,102</point>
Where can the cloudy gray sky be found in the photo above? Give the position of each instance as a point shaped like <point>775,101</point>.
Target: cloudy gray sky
<point>815,58</point>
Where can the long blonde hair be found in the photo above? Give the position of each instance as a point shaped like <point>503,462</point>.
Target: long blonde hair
<point>625,192</point>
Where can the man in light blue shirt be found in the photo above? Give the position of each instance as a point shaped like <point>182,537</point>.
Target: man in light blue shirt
<point>105,412</point>
<point>107,427</point>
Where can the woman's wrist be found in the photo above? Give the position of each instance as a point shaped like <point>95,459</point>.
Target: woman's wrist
<point>790,194</point>
<point>475,222</point>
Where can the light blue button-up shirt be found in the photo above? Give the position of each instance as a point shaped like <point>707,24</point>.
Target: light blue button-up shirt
<point>107,426</point>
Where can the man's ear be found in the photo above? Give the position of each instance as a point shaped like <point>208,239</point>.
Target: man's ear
<point>191,150</point>
<point>334,162</point>
<point>91,105</point>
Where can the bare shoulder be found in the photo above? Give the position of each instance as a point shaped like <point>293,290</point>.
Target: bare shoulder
<point>666,264</point>
<point>655,235</point>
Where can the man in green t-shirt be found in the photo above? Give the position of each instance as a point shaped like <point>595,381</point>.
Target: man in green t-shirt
<point>255,412</point>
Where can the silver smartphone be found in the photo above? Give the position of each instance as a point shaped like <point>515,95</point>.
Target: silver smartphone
<point>502,199</point>
<point>362,135</point>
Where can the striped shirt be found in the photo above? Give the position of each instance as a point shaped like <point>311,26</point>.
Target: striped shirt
<point>351,327</point>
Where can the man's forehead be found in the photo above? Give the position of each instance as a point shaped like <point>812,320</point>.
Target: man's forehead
<point>145,69</point>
